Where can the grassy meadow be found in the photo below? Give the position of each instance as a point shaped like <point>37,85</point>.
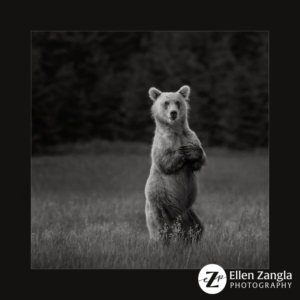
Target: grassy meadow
<point>87,210</point>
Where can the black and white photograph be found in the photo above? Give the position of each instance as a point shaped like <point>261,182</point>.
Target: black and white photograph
<point>149,150</point>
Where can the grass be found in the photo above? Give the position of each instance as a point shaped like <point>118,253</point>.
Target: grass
<point>87,211</point>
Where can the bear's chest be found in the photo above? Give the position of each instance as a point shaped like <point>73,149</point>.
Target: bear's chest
<point>174,140</point>
<point>169,141</point>
<point>185,138</point>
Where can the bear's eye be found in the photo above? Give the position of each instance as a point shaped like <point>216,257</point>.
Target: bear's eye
<point>178,104</point>
<point>167,103</point>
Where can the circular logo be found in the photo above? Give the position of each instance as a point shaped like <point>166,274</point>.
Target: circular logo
<point>212,279</point>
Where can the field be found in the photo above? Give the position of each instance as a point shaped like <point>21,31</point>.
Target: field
<point>87,211</point>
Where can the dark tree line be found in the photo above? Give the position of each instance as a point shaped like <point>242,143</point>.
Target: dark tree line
<point>88,85</point>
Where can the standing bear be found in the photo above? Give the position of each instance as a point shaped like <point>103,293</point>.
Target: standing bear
<point>176,155</point>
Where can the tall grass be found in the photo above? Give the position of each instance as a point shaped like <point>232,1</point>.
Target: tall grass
<point>87,211</point>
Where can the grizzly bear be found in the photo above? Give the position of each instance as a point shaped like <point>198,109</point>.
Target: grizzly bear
<point>176,155</point>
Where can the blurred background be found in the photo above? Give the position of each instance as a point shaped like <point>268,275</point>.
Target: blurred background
<point>94,85</point>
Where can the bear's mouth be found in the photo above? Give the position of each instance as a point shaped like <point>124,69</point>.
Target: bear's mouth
<point>173,118</point>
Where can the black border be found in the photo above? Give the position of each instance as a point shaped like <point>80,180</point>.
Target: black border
<point>283,150</point>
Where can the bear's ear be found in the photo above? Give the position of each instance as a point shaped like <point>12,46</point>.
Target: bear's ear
<point>185,91</point>
<point>154,93</point>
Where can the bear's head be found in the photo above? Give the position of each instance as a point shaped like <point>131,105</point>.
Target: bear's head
<point>170,108</point>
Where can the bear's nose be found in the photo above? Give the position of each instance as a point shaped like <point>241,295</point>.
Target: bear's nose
<point>173,113</point>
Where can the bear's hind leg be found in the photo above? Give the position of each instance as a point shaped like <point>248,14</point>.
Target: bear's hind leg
<point>158,222</point>
<point>195,226</point>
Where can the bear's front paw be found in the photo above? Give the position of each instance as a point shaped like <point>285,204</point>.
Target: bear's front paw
<point>179,153</point>
<point>192,152</point>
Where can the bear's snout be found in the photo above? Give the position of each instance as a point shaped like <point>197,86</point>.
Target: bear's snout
<point>173,114</point>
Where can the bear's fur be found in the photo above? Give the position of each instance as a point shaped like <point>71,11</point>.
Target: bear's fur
<point>176,154</point>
